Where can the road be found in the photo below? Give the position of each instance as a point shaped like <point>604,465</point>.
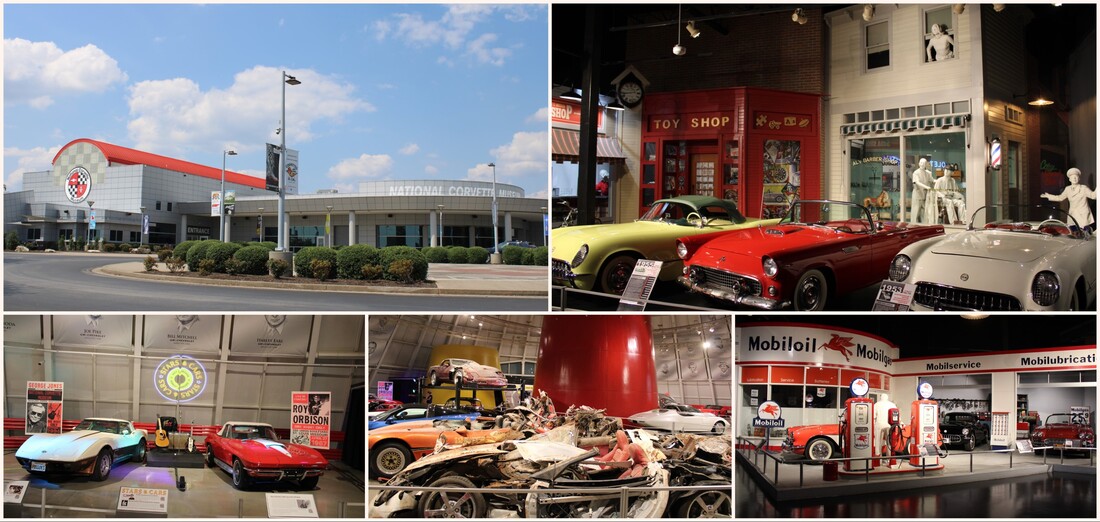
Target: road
<point>37,282</point>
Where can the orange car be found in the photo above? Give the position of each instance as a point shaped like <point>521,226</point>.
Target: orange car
<point>815,442</point>
<point>394,447</point>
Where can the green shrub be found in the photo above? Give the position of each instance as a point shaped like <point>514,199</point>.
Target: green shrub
<point>175,264</point>
<point>206,266</point>
<point>220,253</point>
<point>253,259</point>
<point>513,255</point>
<point>277,267</point>
<point>322,269</point>
<point>528,257</point>
<point>542,256</point>
<point>11,240</point>
<point>163,254</point>
<point>181,249</point>
<point>457,255</point>
<point>396,253</point>
<point>351,259</point>
<point>125,247</point>
<point>401,271</point>
<point>234,266</point>
<point>197,252</point>
<point>111,247</point>
<point>269,245</point>
<point>150,264</point>
<point>372,272</point>
<point>303,260</point>
<point>436,254</point>
<point>477,255</point>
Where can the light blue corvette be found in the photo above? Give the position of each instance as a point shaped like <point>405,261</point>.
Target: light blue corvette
<point>92,448</point>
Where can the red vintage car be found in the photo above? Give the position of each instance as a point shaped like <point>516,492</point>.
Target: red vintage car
<point>1064,431</point>
<point>821,248</point>
<point>816,442</point>
<point>252,452</point>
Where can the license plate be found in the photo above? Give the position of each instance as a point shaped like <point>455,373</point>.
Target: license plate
<point>1069,443</point>
<point>38,466</point>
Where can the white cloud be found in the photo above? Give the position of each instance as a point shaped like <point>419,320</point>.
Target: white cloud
<point>366,166</point>
<point>27,160</point>
<point>455,31</point>
<point>431,170</point>
<point>540,116</point>
<point>410,149</point>
<point>36,72</point>
<point>526,155</point>
<point>174,116</point>
<point>542,194</point>
<point>482,51</point>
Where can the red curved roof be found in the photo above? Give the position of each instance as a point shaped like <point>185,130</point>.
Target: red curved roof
<point>125,156</point>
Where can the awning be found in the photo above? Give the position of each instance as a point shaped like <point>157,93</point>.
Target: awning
<point>908,124</point>
<point>566,148</point>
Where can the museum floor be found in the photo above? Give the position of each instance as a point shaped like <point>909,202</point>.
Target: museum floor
<point>209,493</point>
<point>1029,488</point>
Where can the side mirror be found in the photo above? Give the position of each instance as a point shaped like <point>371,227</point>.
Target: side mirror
<point>390,421</point>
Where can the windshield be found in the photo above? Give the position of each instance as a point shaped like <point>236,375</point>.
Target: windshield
<point>1033,219</point>
<point>677,212</point>
<point>1064,418</point>
<point>837,215</point>
<point>961,417</point>
<point>99,425</point>
<point>403,413</point>
<point>245,432</point>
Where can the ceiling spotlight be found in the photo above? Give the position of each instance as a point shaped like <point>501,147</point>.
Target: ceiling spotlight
<point>868,12</point>
<point>998,7</point>
<point>572,94</point>
<point>616,106</point>
<point>679,50</point>
<point>799,16</point>
<point>958,8</point>
<point>692,30</point>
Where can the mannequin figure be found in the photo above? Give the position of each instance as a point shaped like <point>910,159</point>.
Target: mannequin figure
<point>952,199</point>
<point>882,418</point>
<point>940,43</point>
<point>922,183</point>
<point>1078,196</point>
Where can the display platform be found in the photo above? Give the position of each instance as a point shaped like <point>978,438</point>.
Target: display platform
<point>888,471</point>
<point>174,459</point>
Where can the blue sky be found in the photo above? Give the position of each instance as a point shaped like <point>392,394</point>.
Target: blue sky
<point>412,91</point>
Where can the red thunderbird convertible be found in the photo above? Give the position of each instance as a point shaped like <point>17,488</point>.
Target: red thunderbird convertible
<point>250,451</point>
<point>819,249</point>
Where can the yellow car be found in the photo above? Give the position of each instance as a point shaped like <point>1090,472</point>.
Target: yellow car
<point>602,257</point>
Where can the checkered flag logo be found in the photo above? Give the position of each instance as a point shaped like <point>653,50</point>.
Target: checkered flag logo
<point>78,185</point>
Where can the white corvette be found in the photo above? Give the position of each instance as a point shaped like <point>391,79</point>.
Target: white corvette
<point>1010,258</point>
<point>680,417</point>
<point>92,448</point>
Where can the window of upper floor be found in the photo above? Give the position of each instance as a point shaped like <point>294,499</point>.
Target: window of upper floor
<point>940,42</point>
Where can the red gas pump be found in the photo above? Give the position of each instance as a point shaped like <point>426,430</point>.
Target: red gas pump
<point>895,437</point>
<point>859,427</point>
<point>925,428</point>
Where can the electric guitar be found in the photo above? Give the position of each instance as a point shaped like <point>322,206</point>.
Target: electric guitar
<point>191,439</point>
<point>162,436</point>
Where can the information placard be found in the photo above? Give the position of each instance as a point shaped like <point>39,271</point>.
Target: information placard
<point>640,285</point>
<point>143,500</point>
<point>14,491</point>
<point>289,505</point>
<point>894,297</point>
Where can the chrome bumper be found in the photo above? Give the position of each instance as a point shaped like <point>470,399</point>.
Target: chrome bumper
<point>727,295</point>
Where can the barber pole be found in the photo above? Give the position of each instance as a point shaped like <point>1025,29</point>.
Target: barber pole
<point>995,154</point>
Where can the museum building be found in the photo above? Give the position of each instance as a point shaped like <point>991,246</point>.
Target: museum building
<point>100,191</point>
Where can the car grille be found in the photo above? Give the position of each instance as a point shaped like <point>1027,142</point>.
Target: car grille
<point>951,298</point>
<point>953,439</point>
<point>720,279</point>
<point>561,270</point>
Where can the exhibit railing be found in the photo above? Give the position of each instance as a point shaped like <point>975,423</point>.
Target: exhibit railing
<point>24,510</point>
<point>759,456</point>
<point>600,301</point>
<point>582,495</point>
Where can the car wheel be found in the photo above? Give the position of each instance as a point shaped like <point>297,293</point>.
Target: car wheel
<point>820,448</point>
<point>240,477</point>
<point>971,443</point>
<point>140,457</point>
<point>308,483</point>
<point>719,428</point>
<point>210,457</point>
<point>616,273</point>
<point>438,504</point>
<point>707,504</point>
<point>388,459</point>
<point>433,379</point>
<point>103,464</point>
<point>811,292</point>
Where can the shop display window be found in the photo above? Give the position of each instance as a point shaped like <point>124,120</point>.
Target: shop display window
<point>876,176</point>
<point>946,155</point>
<point>782,176</point>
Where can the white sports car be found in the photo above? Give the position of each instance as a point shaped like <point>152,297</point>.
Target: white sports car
<point>92,448</point>
<point>680,417</point>
<point>1010,258</point>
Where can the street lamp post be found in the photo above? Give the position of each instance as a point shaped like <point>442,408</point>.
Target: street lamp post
<point>91,223</point>
<point>260,224</point>
<point>287,79</point>
<point>441,233</point>
<point>495,257</point>
<point>142,225</point>
<point>328,226</point>
<point>221,209</point>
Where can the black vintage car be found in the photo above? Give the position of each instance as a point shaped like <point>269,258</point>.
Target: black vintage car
<point>963,429</point>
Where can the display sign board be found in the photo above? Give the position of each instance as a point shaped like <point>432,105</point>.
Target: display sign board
<point>287,505</point>
<point>271,334</point>
<point>180,378</point>
<point>1024,446</point>
<point>94,330</point>
<point>199,333</point>
<point>791,343</point>
<point>23,329</point>
<point>14,491</point>
<point>91,219</point>
<point>385,390</point>
<point>216,203</point>
<point>230,202</point>
<point>1038,359</point>
<point>640,285</point>
<point>894,297</point>
<point>310,418</point>
<point>769,415</point>
<point>143,500</point>
<point>44,407</point>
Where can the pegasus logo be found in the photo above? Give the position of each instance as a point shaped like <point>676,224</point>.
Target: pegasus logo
<point>770,409</point>
<point>840,344</point>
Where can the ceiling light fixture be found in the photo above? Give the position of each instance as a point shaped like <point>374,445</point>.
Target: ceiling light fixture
<point>799,16</point>
<point>678,49</point>
<point>958,8</point>
<point>973,316</point>
<point>616,106</point>
<point>692,30</point>
<point>868,12</point>
<point>572,94</point>
<point>998,7</point>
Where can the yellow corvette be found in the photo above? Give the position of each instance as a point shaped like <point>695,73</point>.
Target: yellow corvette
<point>602,257</point>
